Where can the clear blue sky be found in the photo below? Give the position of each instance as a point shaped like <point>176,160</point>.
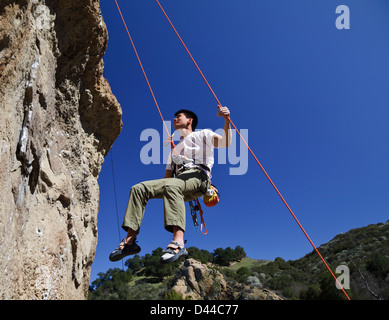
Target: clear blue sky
<point>314,100</point>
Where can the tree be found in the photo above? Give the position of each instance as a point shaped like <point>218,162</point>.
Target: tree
<point>223,257</point>
<point>154,267</point>
<point>135,263</point>
<point>312,293</point>
<point>239,253</point>
<point>203,256</point>
<point>328,290</point>
<point>112,285</point>
<point>242,274</point>
<point>378,265</point>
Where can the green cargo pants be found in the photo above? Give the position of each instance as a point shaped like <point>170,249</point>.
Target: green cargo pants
<point>187,186</point>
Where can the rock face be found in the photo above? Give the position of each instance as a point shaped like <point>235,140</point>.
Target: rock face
<point>247,292</point>
<point>197,281</point>
<point>58,120</point>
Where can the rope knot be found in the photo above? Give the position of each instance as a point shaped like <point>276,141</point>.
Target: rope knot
<point>170,141</point>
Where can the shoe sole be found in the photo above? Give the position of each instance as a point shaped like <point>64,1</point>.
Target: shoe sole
<point>175,257</point>
<point>123,255</point>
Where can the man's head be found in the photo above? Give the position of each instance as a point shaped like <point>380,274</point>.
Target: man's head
<point>185,117</point>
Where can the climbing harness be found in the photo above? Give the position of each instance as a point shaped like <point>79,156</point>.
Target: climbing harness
<point>210,197</point>
<point>219,105</point>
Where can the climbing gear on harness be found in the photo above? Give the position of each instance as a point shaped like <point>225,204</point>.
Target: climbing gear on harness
<point>195,208</point>
<point>193,212</point>
<point>211,197</point>
<point>173,251</point>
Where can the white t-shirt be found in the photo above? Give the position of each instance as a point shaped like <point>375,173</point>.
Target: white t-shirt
<point>196,148</point>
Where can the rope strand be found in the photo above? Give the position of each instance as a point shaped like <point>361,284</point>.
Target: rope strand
<point>145,75</point>
<point>252,153</point>
<point>219,105</point>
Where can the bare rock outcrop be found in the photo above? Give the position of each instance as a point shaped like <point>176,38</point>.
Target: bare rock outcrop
<point>58,120</point>
<point>197,281</point>
<point>250,292</point>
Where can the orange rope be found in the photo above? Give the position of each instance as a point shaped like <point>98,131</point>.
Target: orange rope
<point>219,105</point>
<point>252,153</point>
<point>147,80</point>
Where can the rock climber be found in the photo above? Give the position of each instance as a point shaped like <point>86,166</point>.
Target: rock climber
<point>187,177</point>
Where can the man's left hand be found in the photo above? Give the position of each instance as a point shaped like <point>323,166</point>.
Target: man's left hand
<point>223,112</point>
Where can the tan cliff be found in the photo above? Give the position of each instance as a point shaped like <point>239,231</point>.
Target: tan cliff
<point>58,120</point>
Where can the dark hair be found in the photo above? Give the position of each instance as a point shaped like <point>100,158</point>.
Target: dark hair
<point>189,114</point>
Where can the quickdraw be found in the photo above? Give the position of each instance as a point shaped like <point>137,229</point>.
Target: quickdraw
<point>195,208</point>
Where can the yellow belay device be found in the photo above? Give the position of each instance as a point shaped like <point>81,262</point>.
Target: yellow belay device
<point>211,197</point>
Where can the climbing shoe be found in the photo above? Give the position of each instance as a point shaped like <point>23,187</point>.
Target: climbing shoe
<point>173,251</point>
<point>124,250</point>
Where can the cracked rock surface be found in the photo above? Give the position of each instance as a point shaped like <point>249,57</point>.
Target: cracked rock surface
<point>58,121</point>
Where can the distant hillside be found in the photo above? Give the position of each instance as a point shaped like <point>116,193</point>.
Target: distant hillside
<point>365,251</point>
<point>230,274</point>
